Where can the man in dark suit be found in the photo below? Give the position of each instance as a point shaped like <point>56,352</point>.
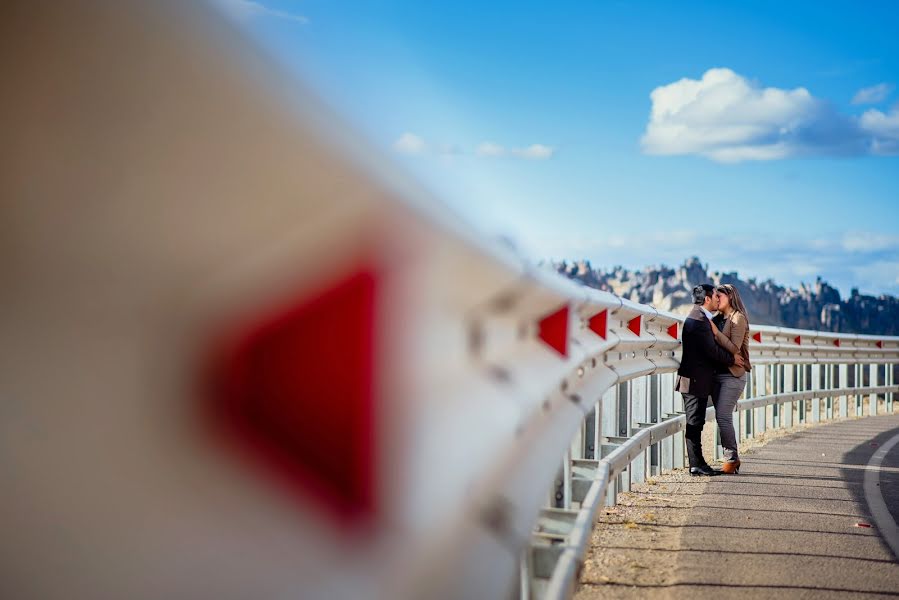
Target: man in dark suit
<point>696,374</point>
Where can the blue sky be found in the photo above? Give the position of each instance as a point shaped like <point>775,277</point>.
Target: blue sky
<point>761,136</point>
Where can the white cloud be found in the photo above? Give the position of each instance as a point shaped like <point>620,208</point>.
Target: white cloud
<point>884,130</point>
<point>863,241</point>
<point>490,149</point>
<point>873,95</point>
<point>243,10</point>
<point>409,143</point>
<point>534,152</point>
<point>727,118</point>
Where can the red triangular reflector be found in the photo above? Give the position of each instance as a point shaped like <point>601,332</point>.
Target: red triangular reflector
<point>757,337</point>
<point>798,339</point>
<point>634,324</point>
<point>672,330</point>
<point>298,390</point>
<point>554,330</point>
<point>880,344</point>
<point>598,324</point>
<point>836,343</point>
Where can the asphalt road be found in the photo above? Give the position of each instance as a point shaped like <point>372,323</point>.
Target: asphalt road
<point>792,524</point>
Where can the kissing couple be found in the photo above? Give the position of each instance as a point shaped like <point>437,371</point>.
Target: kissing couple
<point>714,364</point>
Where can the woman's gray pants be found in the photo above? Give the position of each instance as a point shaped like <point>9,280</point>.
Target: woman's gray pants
<point>724,397</point>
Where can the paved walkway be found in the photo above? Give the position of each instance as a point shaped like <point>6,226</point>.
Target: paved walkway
<point>792,523</point>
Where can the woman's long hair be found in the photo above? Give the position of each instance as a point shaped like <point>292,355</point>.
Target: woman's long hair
<point>734,297</point>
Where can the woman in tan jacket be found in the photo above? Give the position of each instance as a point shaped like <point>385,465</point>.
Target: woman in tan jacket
<point>731,328</point>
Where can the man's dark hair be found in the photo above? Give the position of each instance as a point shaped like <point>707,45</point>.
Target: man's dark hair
<point>701,292</point>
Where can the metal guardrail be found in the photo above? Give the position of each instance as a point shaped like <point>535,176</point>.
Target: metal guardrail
<point>214,193</point>
<point>798,376</point>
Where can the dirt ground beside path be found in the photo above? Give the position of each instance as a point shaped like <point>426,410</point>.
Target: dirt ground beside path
<point>633,547</point>
<point>634,542</point>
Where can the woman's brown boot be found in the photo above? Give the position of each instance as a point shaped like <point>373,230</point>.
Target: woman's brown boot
<point>731,467</point>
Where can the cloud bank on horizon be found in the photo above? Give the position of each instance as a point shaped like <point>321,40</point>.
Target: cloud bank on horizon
<point>727,118</point>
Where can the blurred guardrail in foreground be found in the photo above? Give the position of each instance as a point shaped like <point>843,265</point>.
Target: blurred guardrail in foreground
<point>244,355</point>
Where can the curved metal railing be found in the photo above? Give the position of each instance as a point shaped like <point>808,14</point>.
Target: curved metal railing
<point>798,376</point>
<point>500,403</point>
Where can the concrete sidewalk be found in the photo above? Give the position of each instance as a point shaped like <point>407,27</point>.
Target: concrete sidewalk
<point>789,524</point>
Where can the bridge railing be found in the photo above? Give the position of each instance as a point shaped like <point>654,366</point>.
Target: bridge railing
<point>271,357</point>
<point>635,429</point>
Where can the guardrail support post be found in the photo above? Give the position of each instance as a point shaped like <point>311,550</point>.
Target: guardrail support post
<point>858,396</point>
<point>890,375</point>
<point>816,385</point>
<point>666,403</point>
<point>872,382</point>
<point>843,374</point>
<point>578,445</point>
<point>608,427</point>
<point>678,441</point>
<point>803,386</point>
<point>639,414</point>
<point>828,384</point>
<point>789,385</point>
<point>776,381</point>
<point>747,415</point>
<point>624,429</point>
<point>761,412</point>
<point>597,428</point>
<point>524,576</point>
<point>654,459</point>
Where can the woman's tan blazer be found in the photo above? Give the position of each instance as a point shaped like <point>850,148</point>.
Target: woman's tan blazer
<point>735,338</point>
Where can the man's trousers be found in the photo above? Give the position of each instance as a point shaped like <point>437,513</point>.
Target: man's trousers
<point>695,407</point>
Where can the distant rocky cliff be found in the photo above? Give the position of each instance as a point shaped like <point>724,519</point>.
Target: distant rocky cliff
<point>810,307</point>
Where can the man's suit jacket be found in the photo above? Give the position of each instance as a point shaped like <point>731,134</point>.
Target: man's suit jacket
<point>701,354</point>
